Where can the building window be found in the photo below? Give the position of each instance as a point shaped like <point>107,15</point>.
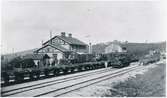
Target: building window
<point>48,49</point>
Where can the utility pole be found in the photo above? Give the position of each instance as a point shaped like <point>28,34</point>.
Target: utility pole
<point>90,46</point>
<point>13,50</point>
<point>50,37</point>
<point>42,43</point>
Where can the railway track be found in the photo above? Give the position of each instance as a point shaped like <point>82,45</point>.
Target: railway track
<point>65,85</point>
<point>7,91</point>
<point>70,88</point>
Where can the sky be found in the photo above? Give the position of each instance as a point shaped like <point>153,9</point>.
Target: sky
<point>26,23</point>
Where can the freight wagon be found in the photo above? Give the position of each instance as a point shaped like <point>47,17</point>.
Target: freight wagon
<point>26,68</point>
<point>148,59</point>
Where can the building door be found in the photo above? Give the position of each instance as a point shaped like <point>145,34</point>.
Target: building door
<point>46,60</point>
<point>55,58</point>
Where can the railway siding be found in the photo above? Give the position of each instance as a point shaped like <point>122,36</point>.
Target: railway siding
<point>49,83</point>
<point>29,84</point>
<point>105,88</point>
<point>60,85</point>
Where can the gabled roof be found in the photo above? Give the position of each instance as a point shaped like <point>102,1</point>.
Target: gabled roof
<point>70,40</point>
<point>59,47</point>
<point>33,56</point>
<point>56,46</point>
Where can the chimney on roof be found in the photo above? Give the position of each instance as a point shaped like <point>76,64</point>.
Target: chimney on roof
<point>63,34</point>
<point>50,37</point>
<point>42,43</point>
<point>70,35</point>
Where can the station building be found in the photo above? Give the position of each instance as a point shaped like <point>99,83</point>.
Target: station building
<point>62,47</point>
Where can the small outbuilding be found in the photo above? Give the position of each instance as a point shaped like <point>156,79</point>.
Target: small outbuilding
<point>62,47</point>
<point>115,47</point>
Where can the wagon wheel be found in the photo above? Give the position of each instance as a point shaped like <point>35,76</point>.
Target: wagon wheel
<point>72,70</point>
<point>6,77</point>
<point>94,66</point>
<point>83,68</point>
<point>109,64</point>
<point>38,74</point>
<point>31,76</point>
<point>102,65</point>
<point>79,69</point>
<point>19,77</point>
<point>87,67</point>
<point>55,72</point>
<point>65,71</point>
<point>46,72</point>
<point>34,74</point>
<point>90,67</point>
<point>98,66</point>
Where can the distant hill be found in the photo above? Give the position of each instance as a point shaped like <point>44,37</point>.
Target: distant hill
<point>136,48</point>
<point>140,49</point>
<point>9,57</point>
<point>100,48</point>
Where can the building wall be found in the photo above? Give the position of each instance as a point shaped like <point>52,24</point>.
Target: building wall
<point>66,46</point>
<point>113,48</point>
<point>50,51</point>
<point>79,48</point>
<point>76,48</point>
<point>59,42</point>
<point>56,40</point>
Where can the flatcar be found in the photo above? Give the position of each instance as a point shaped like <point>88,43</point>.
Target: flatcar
<point>21,68</point>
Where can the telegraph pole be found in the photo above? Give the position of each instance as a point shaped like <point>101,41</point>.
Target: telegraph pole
<point>50,37</point>
<point>42,43</point>
<point>90,46</point>
<point>13,50</point>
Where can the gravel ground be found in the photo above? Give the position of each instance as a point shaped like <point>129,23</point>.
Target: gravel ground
<point>103,89</point>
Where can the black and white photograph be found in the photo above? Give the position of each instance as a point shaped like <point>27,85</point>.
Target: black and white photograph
<point>77,48</point>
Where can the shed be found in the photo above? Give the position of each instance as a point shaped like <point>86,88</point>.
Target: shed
<point>115,47</point>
